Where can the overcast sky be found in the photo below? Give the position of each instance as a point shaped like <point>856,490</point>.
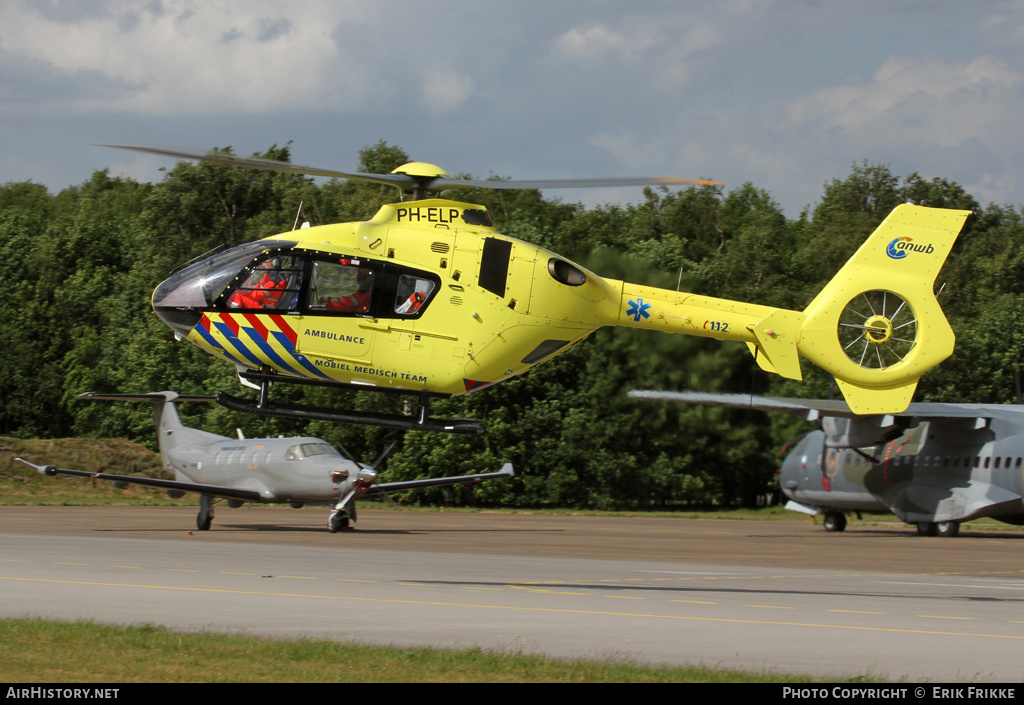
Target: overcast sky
<point>786,94</point>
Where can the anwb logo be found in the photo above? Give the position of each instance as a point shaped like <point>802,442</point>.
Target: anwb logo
<point>898,248</point>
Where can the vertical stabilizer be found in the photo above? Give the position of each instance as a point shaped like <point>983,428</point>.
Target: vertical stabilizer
<point>877,326</point>
<point>171,433</point>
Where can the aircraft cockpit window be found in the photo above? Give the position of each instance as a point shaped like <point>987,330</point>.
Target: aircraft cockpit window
<point>306,450</point>
<point>343,287</point>
<point>413,293</point>
<point>199,285</point>
<point>273,284</point>
<point>310,449</point>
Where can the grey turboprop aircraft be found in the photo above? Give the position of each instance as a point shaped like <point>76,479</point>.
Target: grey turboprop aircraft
<point>270,470</point>
<point>934,465</point>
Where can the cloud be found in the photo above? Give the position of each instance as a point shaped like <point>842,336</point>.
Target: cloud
<point>591,41</point>
<point>185,56</point>
<point>903,84</point>
<point>444,91</point>
<point>916,108</point>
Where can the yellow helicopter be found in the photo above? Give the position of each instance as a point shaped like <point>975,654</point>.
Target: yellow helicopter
<point>427,300</point>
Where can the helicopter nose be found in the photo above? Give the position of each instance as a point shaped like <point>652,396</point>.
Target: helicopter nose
<point>181,321</point>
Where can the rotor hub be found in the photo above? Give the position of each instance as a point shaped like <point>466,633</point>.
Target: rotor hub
<point>421,169</point>
<point>878,330</point>
<point>425,176</point>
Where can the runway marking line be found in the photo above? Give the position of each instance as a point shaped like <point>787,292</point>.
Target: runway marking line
<point>695,602</point>
<point>853,612</point>
<point>542,591</point>
<point>682,618</point>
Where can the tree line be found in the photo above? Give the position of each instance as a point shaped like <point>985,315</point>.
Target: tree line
<point>79,268</point>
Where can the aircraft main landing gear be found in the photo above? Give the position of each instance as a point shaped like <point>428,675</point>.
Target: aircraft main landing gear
<point>926,528</point>
<point>949,529</point>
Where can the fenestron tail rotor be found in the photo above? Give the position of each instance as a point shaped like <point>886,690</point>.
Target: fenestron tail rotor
<point>877,329</point>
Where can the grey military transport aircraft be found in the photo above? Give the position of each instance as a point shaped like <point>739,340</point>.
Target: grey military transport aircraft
<point>934,465</point>
<point>269,470</point>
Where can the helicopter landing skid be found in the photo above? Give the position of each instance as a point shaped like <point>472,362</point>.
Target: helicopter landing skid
<point>422,422</point>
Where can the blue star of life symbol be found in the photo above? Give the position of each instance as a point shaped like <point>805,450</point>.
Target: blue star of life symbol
<point>638,309</point>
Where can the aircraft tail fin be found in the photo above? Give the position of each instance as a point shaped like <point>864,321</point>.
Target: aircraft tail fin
<point>171,432</point>
<point>877,326</point>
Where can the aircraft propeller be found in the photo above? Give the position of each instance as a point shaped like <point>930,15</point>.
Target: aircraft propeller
<point>366,477</point>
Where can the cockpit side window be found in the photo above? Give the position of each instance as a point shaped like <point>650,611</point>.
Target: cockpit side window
<point>413,293</point>
<point>273,284</point>
<point>343,287</point>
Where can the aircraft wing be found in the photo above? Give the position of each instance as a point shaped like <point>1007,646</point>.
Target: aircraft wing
<point>151,396</point>
<point>212,490</point>
<point>506,471</point>
<point>813,409</point>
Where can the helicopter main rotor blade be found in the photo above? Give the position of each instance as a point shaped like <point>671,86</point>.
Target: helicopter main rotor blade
<point>442,183</point>
<point>218,157</point>
<point>410,182</point>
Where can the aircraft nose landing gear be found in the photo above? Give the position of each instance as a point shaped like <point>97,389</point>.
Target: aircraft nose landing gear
<point>337,522</point>
<point>341,518</point>
<point>835,521</point>
<point>205,517</point>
